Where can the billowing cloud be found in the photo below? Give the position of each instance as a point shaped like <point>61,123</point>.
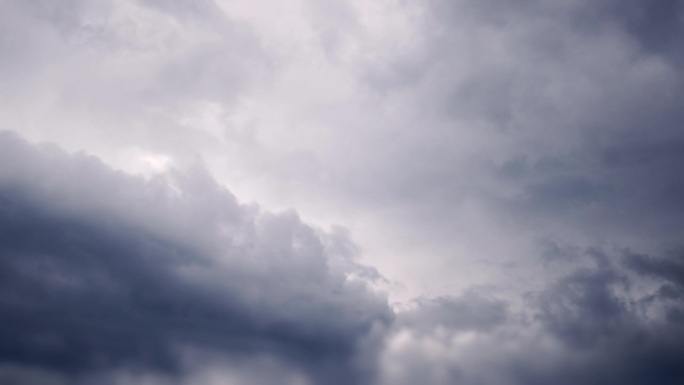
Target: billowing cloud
<point>112,278</point>
<point>104,271</point>
<point>593,325</point>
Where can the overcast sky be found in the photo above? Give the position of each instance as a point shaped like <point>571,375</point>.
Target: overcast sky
<point>366,192</point>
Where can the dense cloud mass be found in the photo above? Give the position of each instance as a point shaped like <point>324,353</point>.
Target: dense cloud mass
<point>101,271</point>
<point>471,191</point>
<point>103,274</point>
<point>591,326</point>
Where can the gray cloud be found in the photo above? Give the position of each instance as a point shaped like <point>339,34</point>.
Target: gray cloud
<point>592,325</point>
<point>516,166</point>
<point>92,282</point>
<point>468,312</point>
<point>105,275</point>
<point>555,120</point>
<point>656,25</point>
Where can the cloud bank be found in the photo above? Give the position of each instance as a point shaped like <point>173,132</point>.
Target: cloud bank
<point>104,271</point>
<point>108,277</point>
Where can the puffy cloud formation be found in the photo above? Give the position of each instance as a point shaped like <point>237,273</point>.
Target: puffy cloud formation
<point>593,325</point>
<point>104,271</point>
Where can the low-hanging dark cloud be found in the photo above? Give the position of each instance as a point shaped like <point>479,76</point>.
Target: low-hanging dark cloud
<point>593,325</point>
<point>105,273</point>
<point>89,286</point>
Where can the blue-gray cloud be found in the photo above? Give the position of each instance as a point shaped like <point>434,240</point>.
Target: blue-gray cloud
<point>593,325</point>
<point>104,272</point>
<point>92,284</point>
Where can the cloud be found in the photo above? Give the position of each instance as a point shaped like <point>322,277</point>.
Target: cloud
<point>657,26</point>
<point>592,325</point>
<point>468,312</point>
<point>511,170</point>
<point>103,271</point>
<point>109,278</point>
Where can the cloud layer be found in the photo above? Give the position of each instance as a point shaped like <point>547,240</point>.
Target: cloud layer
<point>104,271</point>
<point>108,276</point>
<point>506,177</point>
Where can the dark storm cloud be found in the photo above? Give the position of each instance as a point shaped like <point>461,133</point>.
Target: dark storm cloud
<point>670,269</point>
<point>657,25</point>
<point>668,273</point>
<point>611,327</point>
<point>581,308</point>
<point>102,271</point>
<point>592,325</point>
<point>93,282</point>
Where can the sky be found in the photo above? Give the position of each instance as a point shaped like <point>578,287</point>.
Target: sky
<point>307,192</point>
